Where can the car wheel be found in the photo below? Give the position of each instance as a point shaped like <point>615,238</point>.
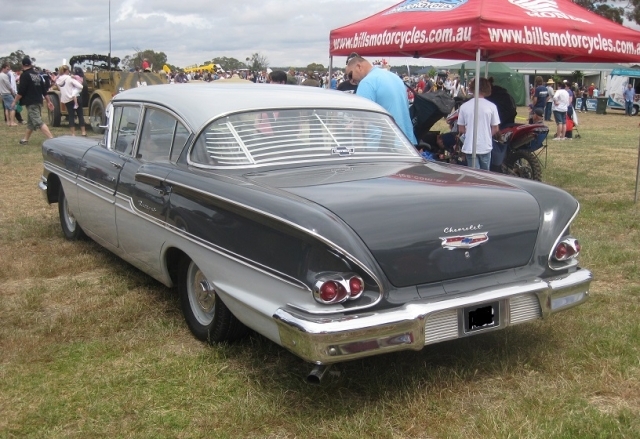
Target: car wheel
<point>207,317</point>
<point>54,115</point>
<point>70,227</point>
<point>524,164</point>
<point>634,110</point>
<point>96,116</point>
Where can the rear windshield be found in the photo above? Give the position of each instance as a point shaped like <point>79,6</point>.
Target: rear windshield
<point>286,136</point>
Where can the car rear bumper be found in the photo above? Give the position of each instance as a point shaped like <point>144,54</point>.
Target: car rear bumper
<point>326,339</point>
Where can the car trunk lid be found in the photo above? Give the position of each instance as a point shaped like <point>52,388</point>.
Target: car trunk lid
<point>423,222</point>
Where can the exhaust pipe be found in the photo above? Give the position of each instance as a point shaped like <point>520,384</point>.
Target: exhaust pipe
<point>317,373</point>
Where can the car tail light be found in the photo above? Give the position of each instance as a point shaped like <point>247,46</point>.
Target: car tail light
<point>356,287</point>
<point>333,288</point>
<point>568,248</point>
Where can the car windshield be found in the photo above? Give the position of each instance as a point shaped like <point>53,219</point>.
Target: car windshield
<point>300,135</point>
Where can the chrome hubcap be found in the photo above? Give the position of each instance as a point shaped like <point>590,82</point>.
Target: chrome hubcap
<point>69,219</point>
<point>202,295</point>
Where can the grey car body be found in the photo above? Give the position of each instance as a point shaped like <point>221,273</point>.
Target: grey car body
<point>305,215</point>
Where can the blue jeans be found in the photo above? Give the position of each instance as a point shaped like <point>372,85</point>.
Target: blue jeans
<point>628,106</point>
<point>547,111</point>
<point>483,161</point>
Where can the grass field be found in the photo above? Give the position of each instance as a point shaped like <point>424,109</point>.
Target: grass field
<point>92,348</point>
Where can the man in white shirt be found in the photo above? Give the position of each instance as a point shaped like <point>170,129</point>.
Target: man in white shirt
<point>7,94</point>
<point>561,101</point>
<point>488,125</point>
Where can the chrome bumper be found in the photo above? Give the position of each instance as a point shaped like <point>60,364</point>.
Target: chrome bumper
<point>43,188</point>
<point>326,339</point>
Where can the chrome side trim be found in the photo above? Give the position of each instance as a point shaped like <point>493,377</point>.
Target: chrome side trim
<point>325,339</point>
<point>312,233</point>
<point>208,245</point>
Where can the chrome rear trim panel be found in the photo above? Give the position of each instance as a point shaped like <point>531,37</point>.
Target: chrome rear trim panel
<point>325,339</point>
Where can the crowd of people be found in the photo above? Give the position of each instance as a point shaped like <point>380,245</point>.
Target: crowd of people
<point>372,80</point>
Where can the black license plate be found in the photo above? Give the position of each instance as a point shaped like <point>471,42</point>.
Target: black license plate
<point>482,316</point>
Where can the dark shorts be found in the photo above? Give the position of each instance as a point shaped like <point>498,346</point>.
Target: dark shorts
<point>560,117</point>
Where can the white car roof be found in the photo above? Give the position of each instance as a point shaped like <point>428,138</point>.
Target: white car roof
<point>199,103</point>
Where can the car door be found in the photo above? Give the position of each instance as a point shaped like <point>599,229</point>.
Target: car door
<point>99,177</point>
<point>143,193</point>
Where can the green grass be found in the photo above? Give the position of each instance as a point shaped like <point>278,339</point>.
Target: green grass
<point>91,347</point>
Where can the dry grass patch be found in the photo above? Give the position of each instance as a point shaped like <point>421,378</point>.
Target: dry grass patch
<point>91,347</point>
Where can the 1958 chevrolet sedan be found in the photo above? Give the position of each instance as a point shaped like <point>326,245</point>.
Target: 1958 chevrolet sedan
<point>307,216</point>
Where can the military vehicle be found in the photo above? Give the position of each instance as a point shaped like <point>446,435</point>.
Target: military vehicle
<point>103,79</point>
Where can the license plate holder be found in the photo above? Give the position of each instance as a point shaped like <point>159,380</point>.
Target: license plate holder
<point>480,317</point>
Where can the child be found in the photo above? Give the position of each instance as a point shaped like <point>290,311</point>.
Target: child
<point>76,91</point>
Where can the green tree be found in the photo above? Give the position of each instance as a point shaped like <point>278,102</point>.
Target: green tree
<point>578,76</point>
<point>613,13</point>
<point>257,62</point>
<point>229,63</point>
<point>633,11</point>
<point>314,67</point>
<point>156,59</point>
<point>15,59</point>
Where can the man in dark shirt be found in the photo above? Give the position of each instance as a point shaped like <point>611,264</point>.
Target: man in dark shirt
<point>348,86</point>
<point>507,109</point>
<point>31,92</point>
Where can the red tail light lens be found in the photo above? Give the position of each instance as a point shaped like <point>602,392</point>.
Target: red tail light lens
<point>329,291</point>
<point>568,248</point>
<point>356,287</point>
<point>332,288</point>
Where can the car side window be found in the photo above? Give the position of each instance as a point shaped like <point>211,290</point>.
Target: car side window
<point>179,140</point>
<point>125,127</point>
<point>156,137</point>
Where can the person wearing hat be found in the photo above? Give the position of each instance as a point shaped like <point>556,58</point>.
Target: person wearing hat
<point>31,92</point>
<point>549,104</point>
<point>537,115</point>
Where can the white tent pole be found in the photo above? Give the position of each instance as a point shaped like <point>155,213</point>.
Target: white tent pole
<point>330,66</point>
<point>635,198</point>
<point>476,103</point>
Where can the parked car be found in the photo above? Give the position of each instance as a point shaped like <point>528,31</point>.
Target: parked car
<point>307,216</point>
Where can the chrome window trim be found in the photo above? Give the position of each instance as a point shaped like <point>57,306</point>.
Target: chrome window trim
<point>143,106</point>
<point>134,148</point>
<point>312,233</point>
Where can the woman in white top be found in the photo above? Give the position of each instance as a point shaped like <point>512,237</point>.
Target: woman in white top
<point>68,87</point>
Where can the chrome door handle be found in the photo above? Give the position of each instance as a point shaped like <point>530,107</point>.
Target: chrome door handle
<point>116,165</point>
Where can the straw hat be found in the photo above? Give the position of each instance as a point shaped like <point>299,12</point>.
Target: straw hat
<point>550,81</point>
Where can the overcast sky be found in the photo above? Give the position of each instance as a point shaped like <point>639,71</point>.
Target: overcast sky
<point>286,32</point>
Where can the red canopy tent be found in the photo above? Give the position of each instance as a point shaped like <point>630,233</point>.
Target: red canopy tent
<point>501,30</point>
<point>491,30</point>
